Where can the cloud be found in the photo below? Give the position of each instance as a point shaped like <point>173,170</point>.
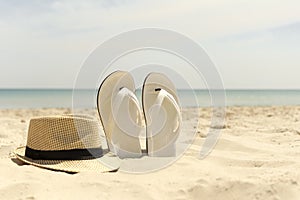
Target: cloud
<point>266,58</point>
<point>47,36</point>
<point>206,19</point>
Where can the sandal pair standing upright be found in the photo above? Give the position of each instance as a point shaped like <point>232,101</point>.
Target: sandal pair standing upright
<point>122,116</point>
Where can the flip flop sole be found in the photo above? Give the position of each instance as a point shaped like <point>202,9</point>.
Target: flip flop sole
<point>161,120</point>
<point>120,126</point>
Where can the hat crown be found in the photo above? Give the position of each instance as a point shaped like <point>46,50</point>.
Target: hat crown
<point>63,133</point>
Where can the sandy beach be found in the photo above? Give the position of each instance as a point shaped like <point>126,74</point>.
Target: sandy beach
<point>256,157</point>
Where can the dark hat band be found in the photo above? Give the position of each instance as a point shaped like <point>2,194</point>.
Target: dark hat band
<point>72,154</point>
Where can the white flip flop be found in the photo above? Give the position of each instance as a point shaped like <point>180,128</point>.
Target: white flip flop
<point>120,114</point>
<point>162,115</point>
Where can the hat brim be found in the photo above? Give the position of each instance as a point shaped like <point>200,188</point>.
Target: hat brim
<point>107,163</point>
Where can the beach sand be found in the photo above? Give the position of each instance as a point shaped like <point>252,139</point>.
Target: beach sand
<point>256,157</point>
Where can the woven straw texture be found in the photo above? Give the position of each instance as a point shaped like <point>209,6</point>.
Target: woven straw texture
<point>63,133</point>
<point>67,132</point>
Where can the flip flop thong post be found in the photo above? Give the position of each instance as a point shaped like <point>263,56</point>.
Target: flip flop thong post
<point>162,115</point>
<point>120,114</point>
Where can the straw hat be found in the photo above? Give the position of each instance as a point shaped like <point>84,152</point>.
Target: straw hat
<point>66,143</point>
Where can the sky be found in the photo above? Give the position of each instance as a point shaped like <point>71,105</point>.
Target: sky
<point>254,44</point>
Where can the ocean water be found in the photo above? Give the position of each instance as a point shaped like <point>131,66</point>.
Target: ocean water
<point>63,98</point>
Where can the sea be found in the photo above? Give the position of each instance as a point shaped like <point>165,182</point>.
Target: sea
<point>67,98</point>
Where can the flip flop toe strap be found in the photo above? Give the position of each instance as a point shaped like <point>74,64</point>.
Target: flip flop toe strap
<point>162,96</point>
<point>121,114</point>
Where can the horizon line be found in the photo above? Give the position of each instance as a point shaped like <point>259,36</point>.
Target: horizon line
<point>140,89</point>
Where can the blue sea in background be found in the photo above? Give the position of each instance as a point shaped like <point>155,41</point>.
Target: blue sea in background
<point>63,98</point>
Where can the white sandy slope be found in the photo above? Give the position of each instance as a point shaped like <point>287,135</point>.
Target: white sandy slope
<point>257,157</point>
